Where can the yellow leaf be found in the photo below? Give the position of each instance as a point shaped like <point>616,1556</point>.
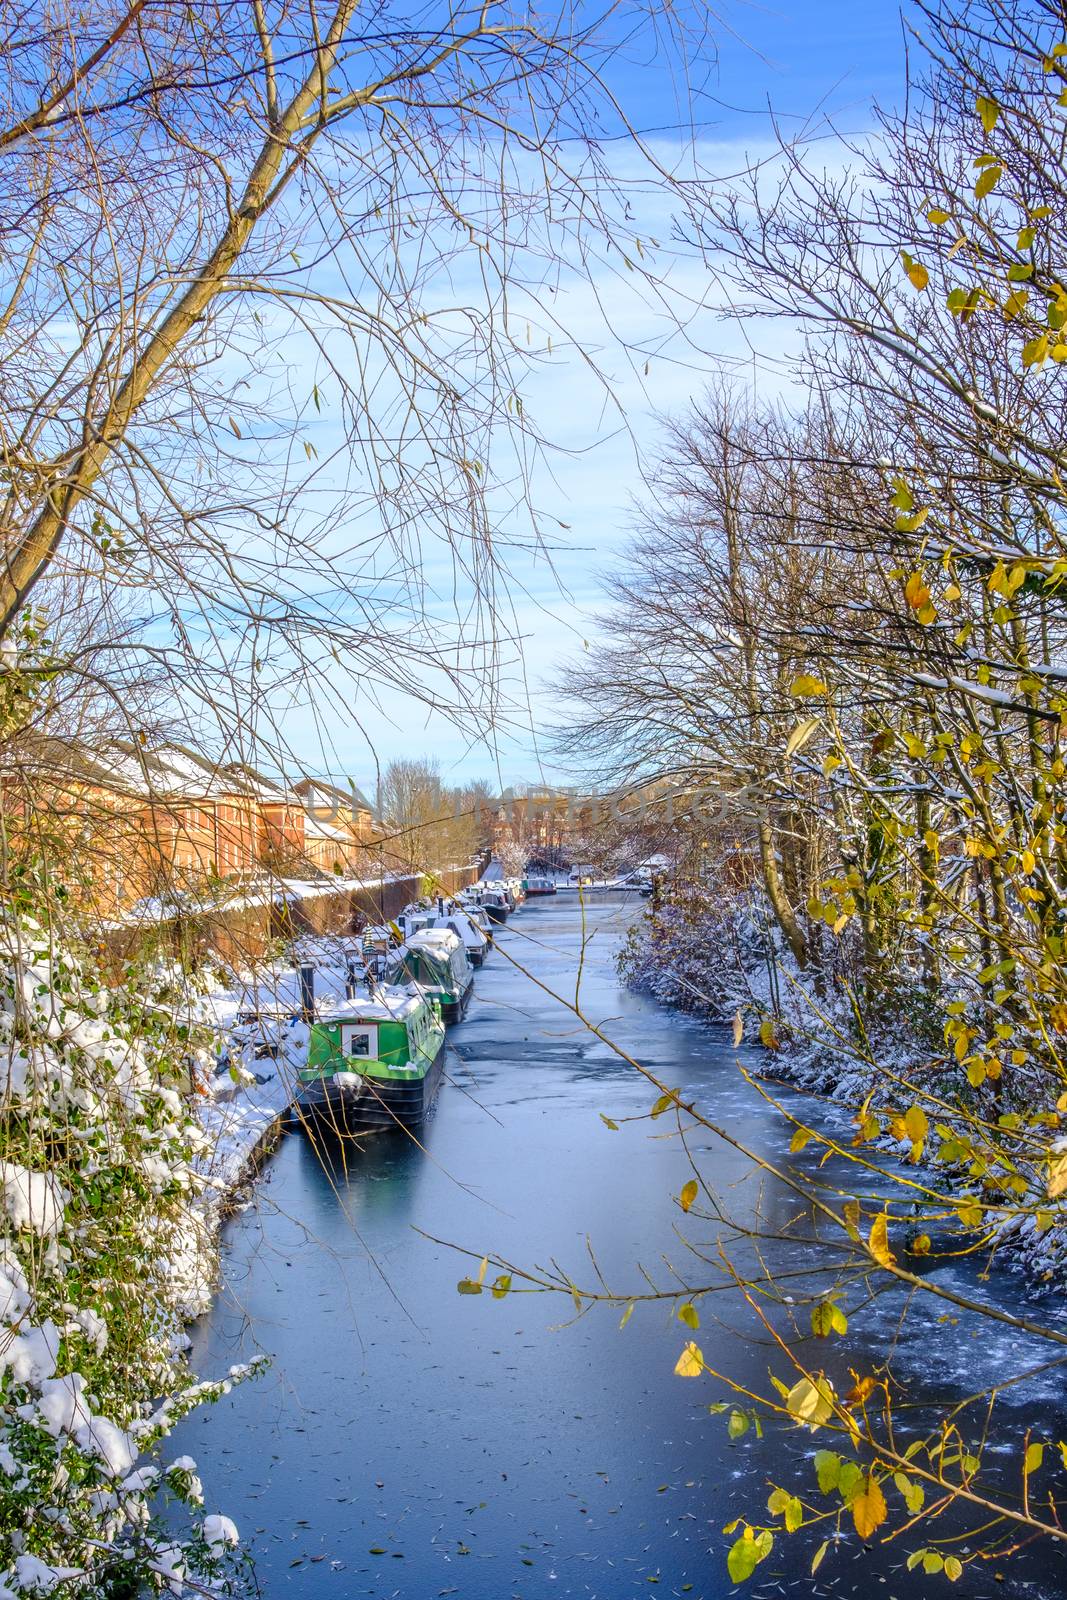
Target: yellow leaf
<point>806,687</point>
<point>767,1035</point>
<point>916,1124</point>
<point>811,1402</point>
<point>878,1241</point>
<point>953,1568</point>
<point>799,1139</point>
<point>690,1363</point>
<point>1057,1177</point>
<point>739,1030</point>
<point>869,1508</point>
<point>688,1194</point>
<point>916,593</point>
<point>987,181</point>
<point>938,217</point>
<point>689,1315</point>
<point>800,734</point>
<point>861,1390</point>
<point>1035,351</point>
<point>988,110</point>
<point>816,1559</point>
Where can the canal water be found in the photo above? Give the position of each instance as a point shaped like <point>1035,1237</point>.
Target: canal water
<point>409,1441</point>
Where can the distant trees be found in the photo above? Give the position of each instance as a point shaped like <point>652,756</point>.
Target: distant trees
<point>428,824</point>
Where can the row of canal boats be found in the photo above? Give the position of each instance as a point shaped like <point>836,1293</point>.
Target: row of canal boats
<point>375,1060</point>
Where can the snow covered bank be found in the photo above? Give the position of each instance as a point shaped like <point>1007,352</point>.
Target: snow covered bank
<point>880,1071</point>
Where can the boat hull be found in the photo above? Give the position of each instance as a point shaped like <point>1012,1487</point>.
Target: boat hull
<point>362,1105</point>
<point>497,913</point>
<point>454,1010</point>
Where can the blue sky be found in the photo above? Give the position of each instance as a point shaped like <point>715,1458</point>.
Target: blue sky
<point>800,62</point>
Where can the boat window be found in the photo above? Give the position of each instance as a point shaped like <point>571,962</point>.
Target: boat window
<point>360,1040</point>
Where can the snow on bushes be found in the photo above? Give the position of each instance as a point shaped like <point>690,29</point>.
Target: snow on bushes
<point>102,1248</point>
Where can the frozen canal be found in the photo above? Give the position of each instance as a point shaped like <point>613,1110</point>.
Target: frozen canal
<point>409,1441</point>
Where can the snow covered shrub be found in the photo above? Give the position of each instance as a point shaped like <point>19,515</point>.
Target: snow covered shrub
<point>101,1246</point>
<point>707,951</point>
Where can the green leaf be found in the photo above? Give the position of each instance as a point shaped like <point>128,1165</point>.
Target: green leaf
<point>688,1314</point>
<point>783,1504</point>
<point>468,1286</point>
<point>827,1470</point>
<point>747,1553</point>
<point>827,1318</point>
<point>738,1425</point>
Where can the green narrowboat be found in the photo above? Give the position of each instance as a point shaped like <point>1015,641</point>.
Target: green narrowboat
<point>373,1063</point>
<point>437,961</point>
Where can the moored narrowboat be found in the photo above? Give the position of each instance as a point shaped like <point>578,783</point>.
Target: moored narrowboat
<point>458,919</point>
<point>540,886</point>
<point>495,901</point>
<point>436,960</point>
<point>373,1063</point>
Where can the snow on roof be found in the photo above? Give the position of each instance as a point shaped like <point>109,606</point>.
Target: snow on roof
<point>314,829</point>
<point>329,796</point>
<point>442,938</point>
<point>390,1004</point>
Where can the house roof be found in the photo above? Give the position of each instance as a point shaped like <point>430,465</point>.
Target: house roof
<point>315,829</point>
<point>168,772</point>
<point>316,793</point>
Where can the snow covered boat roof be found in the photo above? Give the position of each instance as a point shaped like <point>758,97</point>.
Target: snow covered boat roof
<point>391,1003</point>
<point>443,938</point>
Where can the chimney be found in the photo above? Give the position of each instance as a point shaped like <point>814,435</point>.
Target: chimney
<point>307,993</point>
